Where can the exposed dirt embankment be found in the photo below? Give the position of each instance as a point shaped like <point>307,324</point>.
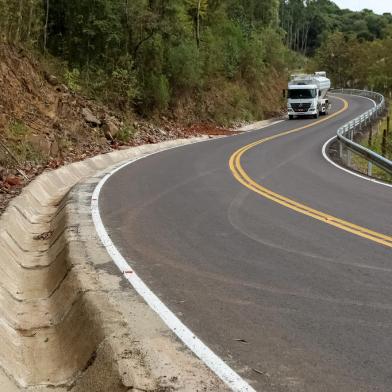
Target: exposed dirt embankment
<point>44,125</point>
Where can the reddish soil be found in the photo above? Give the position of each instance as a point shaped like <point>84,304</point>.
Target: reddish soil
<point>53,120</point>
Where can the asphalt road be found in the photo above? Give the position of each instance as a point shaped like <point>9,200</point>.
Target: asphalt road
<point>311,302</point>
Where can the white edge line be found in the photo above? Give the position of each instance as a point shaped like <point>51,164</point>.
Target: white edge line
<point>325,155</point>
<point>255,127</point>
<point>216,364</point>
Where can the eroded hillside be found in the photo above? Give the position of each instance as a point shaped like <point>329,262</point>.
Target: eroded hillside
<point>43,124</point>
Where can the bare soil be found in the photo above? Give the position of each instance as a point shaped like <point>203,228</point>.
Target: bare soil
<point>44,125</point>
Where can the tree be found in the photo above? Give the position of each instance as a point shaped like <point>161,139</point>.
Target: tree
<point>334,57</point>
<point>47,7</point>
<point>154,55</point>
<point>198,10</point>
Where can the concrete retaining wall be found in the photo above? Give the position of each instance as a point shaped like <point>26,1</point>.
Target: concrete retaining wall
<point>66,317</point>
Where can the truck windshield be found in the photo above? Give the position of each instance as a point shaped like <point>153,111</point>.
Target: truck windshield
<point>305,93</point>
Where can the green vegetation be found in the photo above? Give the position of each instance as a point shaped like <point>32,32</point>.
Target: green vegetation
<point>356,63</point>
<point>308,24</point>
<point>19,147</point>
<point>17,130</point>
<point>211,59</point>
<point>361,165</point>
<point>126,133</point>
<point>72,79</point>
<point>376,142</point>
<point>208,58</point>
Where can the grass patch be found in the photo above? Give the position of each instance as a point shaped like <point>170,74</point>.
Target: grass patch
<point>17,130</point>
<point>19,151</point>
<point>126,133</point>
<point>377,138</point>
<point>361,164</point>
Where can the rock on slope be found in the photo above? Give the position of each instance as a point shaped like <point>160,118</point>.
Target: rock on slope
<point>44,125</point>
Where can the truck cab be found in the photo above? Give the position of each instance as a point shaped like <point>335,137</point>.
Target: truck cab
<point>307,95</point>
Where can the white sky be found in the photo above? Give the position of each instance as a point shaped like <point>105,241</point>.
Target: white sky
<point>378,6</point>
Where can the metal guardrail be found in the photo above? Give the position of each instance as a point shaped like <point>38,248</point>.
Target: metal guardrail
<point>346,133</point>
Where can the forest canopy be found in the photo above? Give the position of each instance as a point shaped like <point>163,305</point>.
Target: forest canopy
<point>215,59</point>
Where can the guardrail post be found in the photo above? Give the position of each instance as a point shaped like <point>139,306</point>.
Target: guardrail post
<point>369,168</point>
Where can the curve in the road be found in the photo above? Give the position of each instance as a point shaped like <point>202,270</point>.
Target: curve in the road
<point>312,302</point>
<point>242,176</point>
<point>353,173</point>
<point>232,379</point>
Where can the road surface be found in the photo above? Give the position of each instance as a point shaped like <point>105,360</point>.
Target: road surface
<point>280,262</point>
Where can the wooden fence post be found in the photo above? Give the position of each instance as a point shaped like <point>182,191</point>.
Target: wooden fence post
<point>384,143</point>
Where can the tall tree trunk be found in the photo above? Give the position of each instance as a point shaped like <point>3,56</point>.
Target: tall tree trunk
<point>19,22</point>
<point>198,24</point>
<point>127,35</point>
<point>31,7</point>
<point>46,25</point>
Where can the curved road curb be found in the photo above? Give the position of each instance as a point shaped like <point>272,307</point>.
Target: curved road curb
<point>67,321</point>
<point>208,357</point>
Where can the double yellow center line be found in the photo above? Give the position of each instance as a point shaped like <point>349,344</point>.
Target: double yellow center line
<point>240,174</point>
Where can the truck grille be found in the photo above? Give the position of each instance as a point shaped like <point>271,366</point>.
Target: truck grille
<point>300,107</point>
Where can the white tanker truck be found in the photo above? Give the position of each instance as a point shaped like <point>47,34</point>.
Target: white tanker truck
<point>307,95</point>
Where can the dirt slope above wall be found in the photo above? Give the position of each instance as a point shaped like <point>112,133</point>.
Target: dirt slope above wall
<point>44,125</point>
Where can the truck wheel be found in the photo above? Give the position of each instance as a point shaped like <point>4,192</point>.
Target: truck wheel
<point>291,116</point>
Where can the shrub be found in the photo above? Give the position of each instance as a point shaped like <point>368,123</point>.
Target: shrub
<point>72,79</point>
<point>126,133</point>
<point>17,129</point>
<point>157,92</point>
<point>184,65</point>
